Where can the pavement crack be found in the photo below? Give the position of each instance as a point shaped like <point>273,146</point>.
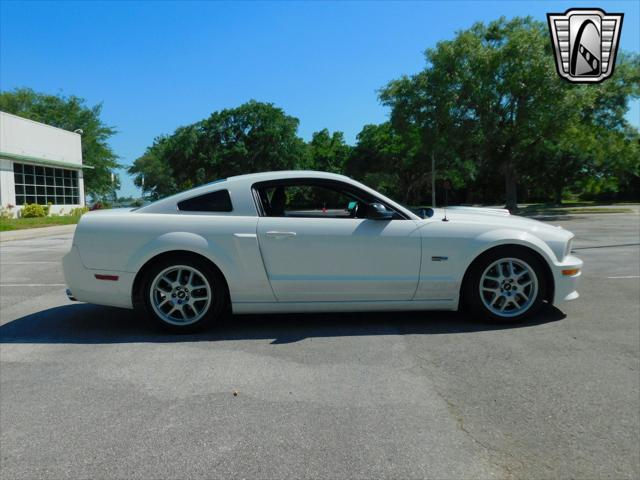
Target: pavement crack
<point>459,418</point>
<point>457,415</point>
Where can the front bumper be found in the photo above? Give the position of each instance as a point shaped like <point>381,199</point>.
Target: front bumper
<point>566,286</point>
<point>83,285</point>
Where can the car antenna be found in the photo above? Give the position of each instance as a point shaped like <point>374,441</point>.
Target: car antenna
<point>447,186</point>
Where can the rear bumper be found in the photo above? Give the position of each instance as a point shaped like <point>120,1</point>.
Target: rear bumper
<point>566,286</point>
<point>83,285</point>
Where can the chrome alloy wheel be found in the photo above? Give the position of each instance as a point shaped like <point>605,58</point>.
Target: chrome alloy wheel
<point>508,287</point>
<point>180,295</point>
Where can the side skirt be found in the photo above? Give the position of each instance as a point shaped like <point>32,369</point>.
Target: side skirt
<point>364,306</point>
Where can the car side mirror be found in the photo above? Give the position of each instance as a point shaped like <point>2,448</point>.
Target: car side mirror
<point>425,212</point>
<point>377,211</point>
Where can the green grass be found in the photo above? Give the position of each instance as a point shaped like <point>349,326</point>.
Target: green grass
<point>7,224</point>
<point>542,209</point>
<point>595,210</point>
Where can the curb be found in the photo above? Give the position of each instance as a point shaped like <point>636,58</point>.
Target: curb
<point>30,233</point>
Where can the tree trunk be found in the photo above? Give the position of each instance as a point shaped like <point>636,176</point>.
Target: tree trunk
<point>433,180</point>
<point>406,191</point>
<point>558,195</point>
<point>510,183</point>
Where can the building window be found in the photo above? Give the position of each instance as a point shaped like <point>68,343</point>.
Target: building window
<point>42,185</point>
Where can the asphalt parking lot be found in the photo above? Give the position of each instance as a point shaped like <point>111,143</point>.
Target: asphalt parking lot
<point>92,392</point>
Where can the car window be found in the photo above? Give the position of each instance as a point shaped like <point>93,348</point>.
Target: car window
<point>219,201</point>
<point>307,201</point>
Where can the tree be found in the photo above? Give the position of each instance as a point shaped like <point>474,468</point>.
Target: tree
<point>71,113</point>
<point>152,171</point>
<point>592,149</point>
<point>491,95</point>
<point>328,152</point>
<point>385,160</point>
<point>253,137</point>
<point>425,114</point>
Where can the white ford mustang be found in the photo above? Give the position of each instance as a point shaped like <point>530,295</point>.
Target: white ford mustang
<point>304,241</point>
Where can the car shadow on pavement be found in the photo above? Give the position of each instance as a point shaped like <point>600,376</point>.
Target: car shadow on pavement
<point>92,324</point>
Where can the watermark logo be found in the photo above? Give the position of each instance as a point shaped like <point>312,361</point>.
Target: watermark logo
<point>585,42</point>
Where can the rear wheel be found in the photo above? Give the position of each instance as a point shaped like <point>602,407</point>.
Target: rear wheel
<point>183,294</point>
<point>506,285</point>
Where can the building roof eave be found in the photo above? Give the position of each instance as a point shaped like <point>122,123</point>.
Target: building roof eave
<point>43,161</point>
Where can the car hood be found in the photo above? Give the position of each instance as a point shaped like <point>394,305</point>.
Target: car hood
<point>496,217</point>
<point>486,219</point>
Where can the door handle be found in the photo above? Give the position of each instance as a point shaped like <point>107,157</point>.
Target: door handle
<point>280,234</point>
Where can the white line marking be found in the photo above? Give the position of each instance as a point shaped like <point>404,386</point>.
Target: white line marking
<point>25,263</point>
<point>32,285</point>
<point>627,276</point>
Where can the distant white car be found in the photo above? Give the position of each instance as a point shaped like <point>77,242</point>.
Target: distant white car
<point>302,241</point>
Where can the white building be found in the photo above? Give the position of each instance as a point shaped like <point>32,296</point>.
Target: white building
<point>39,164</point>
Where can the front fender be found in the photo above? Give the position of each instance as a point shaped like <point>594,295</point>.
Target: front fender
<point>449,250</point>
<point>496,238</point>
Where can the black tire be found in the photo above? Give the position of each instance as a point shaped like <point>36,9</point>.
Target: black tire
<point>204,313</point>
<point>471,293</point>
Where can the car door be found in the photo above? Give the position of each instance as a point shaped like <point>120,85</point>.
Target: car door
<point>316,249</point>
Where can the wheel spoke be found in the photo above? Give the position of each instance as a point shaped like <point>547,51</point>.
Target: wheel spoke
<point>504,304</point>
<point>494,298</point>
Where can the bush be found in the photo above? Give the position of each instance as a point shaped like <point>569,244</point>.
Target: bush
<point>33,210</point>
<point>100,205</point>
<point>6,212</point>
<point>78,211</point>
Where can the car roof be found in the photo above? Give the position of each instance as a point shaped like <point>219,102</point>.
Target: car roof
<point>239,187</point>
<point>282,174</point>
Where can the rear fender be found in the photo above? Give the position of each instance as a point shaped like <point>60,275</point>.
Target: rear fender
<point>184,241</point>
<point>239,261</point>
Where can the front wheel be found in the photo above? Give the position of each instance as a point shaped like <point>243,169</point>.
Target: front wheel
<point>183,294</point>
<point>506,285</point>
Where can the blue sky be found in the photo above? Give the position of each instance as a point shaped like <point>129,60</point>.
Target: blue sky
<point>158,65</point>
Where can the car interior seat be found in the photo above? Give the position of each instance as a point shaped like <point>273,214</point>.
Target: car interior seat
<point>278,200</point>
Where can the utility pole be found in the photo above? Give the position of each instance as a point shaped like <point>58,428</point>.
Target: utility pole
<point>433,180</point>
<point>113,188</point>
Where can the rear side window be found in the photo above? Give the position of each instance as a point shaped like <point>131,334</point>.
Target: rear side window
<point>219,201</point>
